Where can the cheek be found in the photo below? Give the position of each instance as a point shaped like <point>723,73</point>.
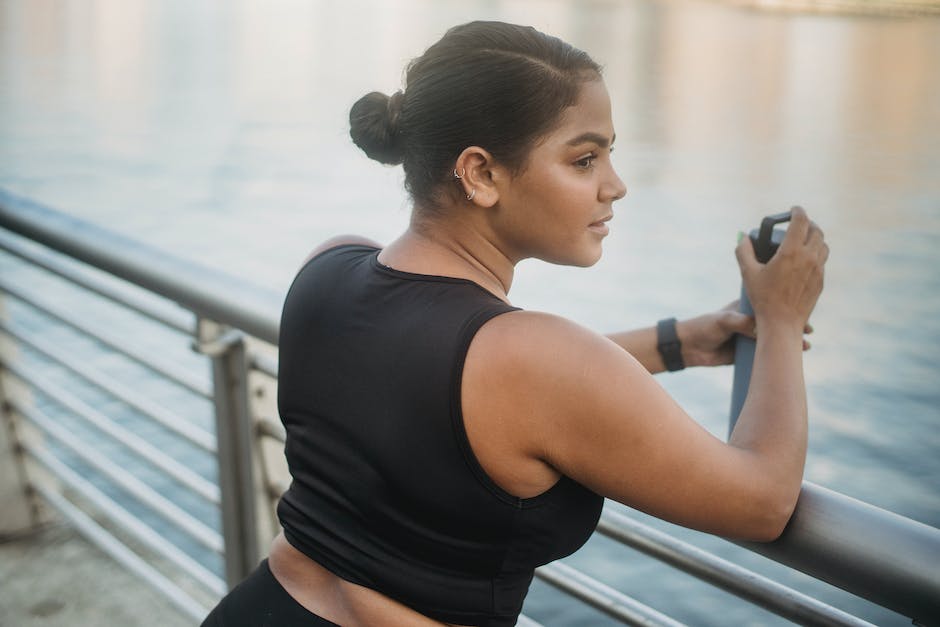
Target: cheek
<point>571,198</point>
<point>554,198</point>
<point>563,182</point>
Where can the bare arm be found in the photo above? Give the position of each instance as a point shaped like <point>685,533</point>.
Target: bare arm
<point>707,340</point>
<point>641,343</point>
<point>543,390</point>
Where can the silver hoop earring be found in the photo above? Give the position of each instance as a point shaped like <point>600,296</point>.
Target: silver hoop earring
<point>473,192</point>
<point>457,177</point>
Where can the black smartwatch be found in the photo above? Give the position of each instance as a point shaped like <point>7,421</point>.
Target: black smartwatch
<point>668,344</point>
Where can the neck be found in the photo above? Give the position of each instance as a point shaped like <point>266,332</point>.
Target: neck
<point>451,246</point>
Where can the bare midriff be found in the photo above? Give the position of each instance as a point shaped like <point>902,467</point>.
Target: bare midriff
<point>334,598</point>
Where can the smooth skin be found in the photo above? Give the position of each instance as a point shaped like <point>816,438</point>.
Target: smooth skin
<point>543,396</point>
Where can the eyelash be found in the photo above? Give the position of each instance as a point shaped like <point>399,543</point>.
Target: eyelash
<point>587,162</point>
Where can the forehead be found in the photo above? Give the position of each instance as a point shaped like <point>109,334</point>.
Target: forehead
<point>590,114</point>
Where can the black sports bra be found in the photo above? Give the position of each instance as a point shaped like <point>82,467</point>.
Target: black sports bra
<point>386,490</point>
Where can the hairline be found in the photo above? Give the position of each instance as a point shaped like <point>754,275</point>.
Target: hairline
<point>588,75</point>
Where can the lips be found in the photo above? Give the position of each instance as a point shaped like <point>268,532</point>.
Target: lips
<point>601,225</point>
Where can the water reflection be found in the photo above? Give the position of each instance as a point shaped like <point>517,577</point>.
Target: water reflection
<point>218,131</point>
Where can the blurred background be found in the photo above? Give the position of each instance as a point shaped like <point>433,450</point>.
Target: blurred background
<point>218,132</point>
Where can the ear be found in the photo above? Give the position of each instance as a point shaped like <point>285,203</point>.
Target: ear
<point>479,172</point>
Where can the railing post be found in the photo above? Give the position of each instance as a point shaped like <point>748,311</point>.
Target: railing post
<point>21,510</point>
<point>237,451</point>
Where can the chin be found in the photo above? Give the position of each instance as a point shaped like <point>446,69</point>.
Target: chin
<point>590,262</point>
<point>579,259</point>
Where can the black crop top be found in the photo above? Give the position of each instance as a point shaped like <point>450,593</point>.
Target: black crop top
<point>386,491</point>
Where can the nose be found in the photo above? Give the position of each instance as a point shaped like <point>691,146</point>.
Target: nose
<point>614,189</point>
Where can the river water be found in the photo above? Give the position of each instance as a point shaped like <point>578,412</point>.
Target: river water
<point>217,131</point>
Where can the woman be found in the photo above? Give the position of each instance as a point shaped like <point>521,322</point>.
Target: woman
<point>443,443</point>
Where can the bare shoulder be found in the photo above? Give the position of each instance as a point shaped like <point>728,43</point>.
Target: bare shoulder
<point>516,371</point>
<point>535,372</point>
<point>341,240</point>
<point>534,327</point>
<point>552,367</point>
<point>530,343</point>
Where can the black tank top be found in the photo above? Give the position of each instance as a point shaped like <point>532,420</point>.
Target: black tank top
<point>386,490</point>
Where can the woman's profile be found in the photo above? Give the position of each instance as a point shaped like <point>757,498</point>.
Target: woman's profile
<point>443,443</point>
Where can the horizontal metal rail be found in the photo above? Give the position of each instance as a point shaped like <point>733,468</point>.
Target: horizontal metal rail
<point>602,597</point>
<point>263,363</point>
<point>209,538</point>
<point>208,293</point>
<point>871,552</point>
<point>127,521</point>
<point>183,475</point>
<point>775,597</point>
<point>193,434</point>
<point>121,554</point>
<point>169,371</point>
<point>178,319</point>
<point>271,428</point>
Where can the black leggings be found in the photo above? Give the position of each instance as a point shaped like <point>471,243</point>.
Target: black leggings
<point>261,601</point>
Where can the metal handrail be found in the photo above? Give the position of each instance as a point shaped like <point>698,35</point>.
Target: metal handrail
<point>868,551</point>
<point>208,293</point>
<point>746,584</point>
<point>199,437</point>
<point>178,319</point>
<point>602,597</point>
<point>209,538</point>
<point>169,371</point>
<point>128,521</point>
<point>121,553</point>
<point>147,451</point>
<point>871,552</point>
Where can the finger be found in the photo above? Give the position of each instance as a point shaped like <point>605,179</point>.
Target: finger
<point>815,234</point>
<point>745,255</point>
<point>798,231</point>
<point>806,345</point>
<point>747,325</point>
<point>738,322</point>
<point>734,305</point>
<point>808,328</point>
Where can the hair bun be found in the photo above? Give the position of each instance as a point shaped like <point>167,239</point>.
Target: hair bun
<point>373,126</point>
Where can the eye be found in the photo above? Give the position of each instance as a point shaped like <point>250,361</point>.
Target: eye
<point>586,162</point>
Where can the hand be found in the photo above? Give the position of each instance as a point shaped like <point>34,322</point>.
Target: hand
<point>708,340</point>
<point>784,291</point>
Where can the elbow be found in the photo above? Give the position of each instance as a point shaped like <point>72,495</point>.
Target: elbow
<point>772,517</point>
<point>769,530</point>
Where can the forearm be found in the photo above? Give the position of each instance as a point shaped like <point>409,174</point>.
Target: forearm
<point>641,343</point>
<point>773,421</point>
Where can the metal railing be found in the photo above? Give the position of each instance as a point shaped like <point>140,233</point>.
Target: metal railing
<point>237,473</point>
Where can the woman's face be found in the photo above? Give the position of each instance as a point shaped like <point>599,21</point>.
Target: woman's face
<point>557,208</point>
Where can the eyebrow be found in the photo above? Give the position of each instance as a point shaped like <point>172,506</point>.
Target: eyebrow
<point>592,138</point>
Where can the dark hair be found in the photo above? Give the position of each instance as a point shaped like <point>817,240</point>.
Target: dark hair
<point>489,84</point>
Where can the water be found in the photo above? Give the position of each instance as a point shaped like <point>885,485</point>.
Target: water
<point>217,131</point>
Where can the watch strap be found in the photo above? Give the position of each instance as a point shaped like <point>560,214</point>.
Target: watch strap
<point>668,344</point>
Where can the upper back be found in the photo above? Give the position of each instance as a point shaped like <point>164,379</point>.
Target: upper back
<point>387,491</point>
